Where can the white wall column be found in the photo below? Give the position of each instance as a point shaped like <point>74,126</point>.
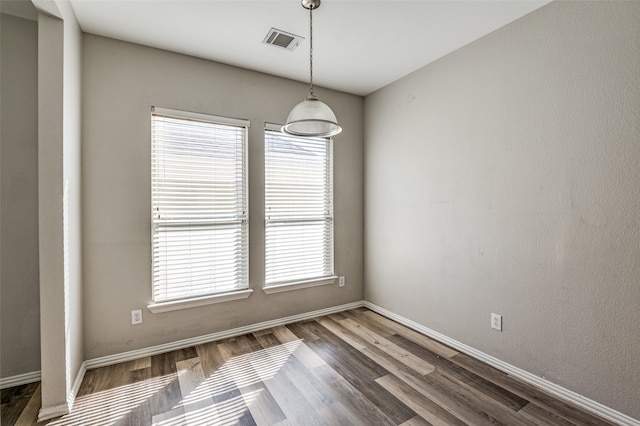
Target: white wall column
<point>59,170</point>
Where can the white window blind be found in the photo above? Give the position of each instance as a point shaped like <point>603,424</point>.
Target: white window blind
<point>199,205</point>
<point>298,208</point>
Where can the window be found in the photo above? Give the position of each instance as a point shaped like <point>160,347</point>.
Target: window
<point>199,205</point>
<point>298,209</point>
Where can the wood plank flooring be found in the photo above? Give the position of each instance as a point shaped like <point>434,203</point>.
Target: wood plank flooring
<point>351,368</point>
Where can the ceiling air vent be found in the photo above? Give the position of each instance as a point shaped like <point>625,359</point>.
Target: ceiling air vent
<point>279,38</point>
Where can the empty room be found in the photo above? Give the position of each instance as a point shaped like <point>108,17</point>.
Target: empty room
<point>338,212</point>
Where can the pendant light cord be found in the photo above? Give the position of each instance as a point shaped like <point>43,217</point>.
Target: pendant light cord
<point>311,50</point>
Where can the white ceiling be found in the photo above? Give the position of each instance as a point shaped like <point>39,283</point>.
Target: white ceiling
<point>359,46</point>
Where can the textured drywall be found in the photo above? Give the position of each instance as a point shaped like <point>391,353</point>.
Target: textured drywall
<point>505,178</point>
<point>19,285</point>
<point>121,83</point>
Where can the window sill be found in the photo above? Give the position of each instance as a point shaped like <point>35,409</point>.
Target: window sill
<point>298,285</point>
<point>157,308</point>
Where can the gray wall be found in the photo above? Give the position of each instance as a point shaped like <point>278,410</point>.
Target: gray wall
<point>505,178</point>
<point>121,83</point>
<point>19,286</point>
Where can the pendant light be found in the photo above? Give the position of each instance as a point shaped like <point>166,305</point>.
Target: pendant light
<point>311,117</point>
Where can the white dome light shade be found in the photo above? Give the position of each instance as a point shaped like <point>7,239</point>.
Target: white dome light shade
<point>312,118</point>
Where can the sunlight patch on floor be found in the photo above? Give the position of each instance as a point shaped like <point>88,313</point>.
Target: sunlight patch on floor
<point>112,405</point>
<point>238,374</point>
<point>221,399</point>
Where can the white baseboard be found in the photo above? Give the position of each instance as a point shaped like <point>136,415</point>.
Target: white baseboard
<point>53,412</point>
<point>181,344</point>
<point>62,409</point>
<point>71,398</point>
<point>552,388</point>
<point>20,379</point>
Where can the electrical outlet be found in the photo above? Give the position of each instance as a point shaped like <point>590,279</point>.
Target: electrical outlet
<point>341,281</point>
<point>496,321</point>
<point>136,317</point>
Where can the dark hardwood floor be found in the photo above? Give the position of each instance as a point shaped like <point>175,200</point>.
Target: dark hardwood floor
<point>351,368</point>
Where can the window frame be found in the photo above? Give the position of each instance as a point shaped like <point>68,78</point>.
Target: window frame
<point>330,278</point>
<point>198,299</point>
